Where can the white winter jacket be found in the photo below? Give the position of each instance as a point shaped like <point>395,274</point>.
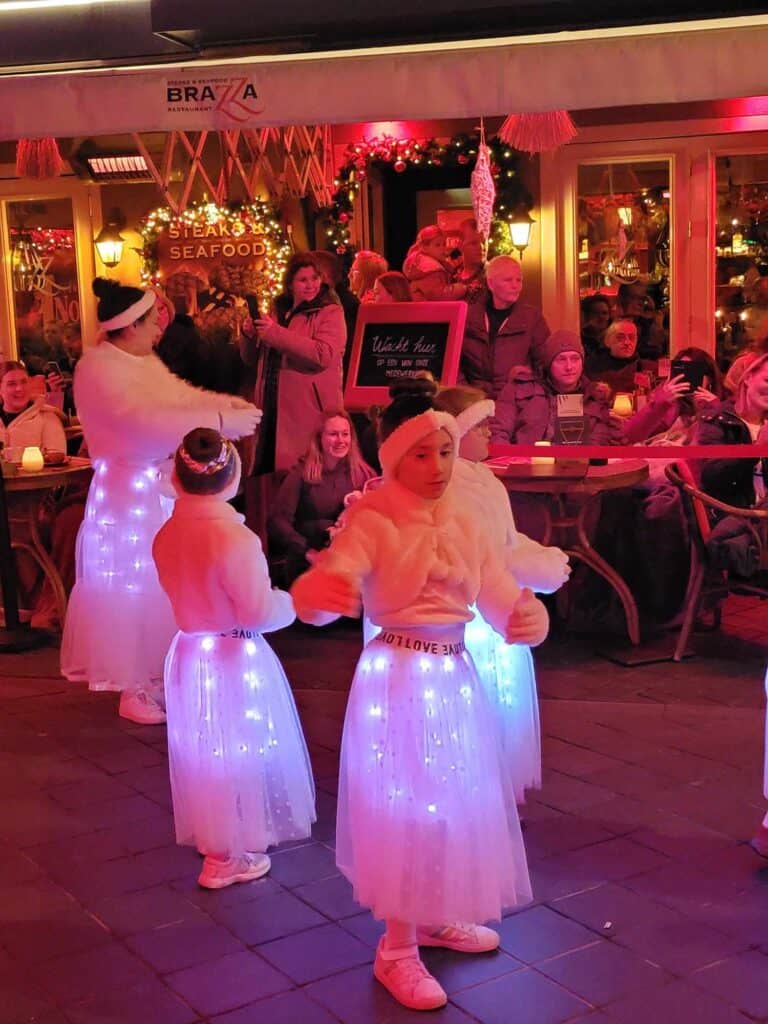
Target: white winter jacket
<point>38,426</point>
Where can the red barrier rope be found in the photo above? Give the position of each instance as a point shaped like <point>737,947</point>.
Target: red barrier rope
<point>667,451</point>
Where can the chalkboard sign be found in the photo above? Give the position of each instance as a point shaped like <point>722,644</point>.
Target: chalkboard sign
<point>402,340</point>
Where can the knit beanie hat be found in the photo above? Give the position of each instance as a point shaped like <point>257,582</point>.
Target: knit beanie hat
<point>560,341</point>
<point>205,462</point>
<point>119,305</point>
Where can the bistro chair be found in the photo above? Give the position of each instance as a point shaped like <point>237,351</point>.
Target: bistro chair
<point>704,578</point>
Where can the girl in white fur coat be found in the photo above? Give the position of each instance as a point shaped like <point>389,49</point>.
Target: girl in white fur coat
<point>134,412</point>
<point>427,828</point>
<point>240,772</point>
<point>506,669</point>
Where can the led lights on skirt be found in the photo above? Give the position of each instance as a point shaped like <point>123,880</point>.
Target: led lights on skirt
<point>119,621</point>
<point>240,772</point>
<point>427,827</point>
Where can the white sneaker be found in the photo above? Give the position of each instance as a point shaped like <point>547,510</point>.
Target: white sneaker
<point>464,938</point>
<point>138,706</point>
<point>218,874</point>
<point>408,980</point>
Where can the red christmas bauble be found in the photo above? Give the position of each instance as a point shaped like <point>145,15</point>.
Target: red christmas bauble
<point>343,217</point>
<point>400,166</point>
<point>462,159</point>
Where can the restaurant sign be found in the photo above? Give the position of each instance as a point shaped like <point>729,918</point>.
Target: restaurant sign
<point>232,97</point>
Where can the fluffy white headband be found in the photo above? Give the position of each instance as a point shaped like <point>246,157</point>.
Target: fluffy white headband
<point>475,414</point>
<point>131,315</point>
<point>410,433</point>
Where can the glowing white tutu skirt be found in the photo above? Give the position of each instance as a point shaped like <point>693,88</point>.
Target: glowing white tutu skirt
<point>510,681</point>
<point>427,829</point>
<point>119,622</point>
<point>240,771</point>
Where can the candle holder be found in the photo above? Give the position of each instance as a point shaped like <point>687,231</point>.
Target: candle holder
<point>32,460</point>
<point>622,405</point>
<point>543,460</point>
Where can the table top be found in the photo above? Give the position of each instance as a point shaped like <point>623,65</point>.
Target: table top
<point>74,471</point>
<point>570,477</point>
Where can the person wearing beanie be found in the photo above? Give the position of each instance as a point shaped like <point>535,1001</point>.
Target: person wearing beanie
<point>240,772</point>
<point>134,412</point>
<point>527,409</point>
<point>427,829</point>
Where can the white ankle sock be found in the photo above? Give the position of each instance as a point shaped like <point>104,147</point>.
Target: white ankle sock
<point>399,940</point>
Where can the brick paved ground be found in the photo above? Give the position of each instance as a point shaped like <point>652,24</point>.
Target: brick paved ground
<point>650,905</point>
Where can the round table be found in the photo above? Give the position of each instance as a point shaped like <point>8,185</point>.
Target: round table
<point>578,480</point>
<point>25,493</point>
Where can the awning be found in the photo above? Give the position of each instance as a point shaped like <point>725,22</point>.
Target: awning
<point>572,70</point>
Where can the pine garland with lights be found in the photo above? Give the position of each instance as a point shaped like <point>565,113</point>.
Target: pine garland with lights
<point>258,218</point>
<point>424,154</point>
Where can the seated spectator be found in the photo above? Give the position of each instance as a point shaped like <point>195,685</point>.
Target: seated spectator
<point>754,349</point>
<point>26,422</point>
<point>427,268</point>
<point>392,287</point>
<point>634,303</point>
<point>617,361</point>
<point>501,332</point>
<point>683,414</point>
<point>738,421</point>
<point>311,496</point>
<point>366,267</point>
<point>595,317</point>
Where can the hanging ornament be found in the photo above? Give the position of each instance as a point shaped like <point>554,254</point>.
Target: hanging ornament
<point>400,166</point>
<point>482,187</point>
<point>538,133</point>
<point>38,158</point>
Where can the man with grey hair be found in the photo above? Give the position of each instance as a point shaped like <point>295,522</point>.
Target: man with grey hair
<point>501,331</point>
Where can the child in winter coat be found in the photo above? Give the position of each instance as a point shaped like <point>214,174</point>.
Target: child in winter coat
<point>240,773</point>
<point>427,828</point>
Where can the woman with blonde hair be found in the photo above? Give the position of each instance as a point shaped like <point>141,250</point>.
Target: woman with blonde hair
<point>311,497</point>
<point>427,269</point>
<point>366,267</point>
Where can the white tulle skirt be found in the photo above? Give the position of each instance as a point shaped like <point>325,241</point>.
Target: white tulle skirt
<point>240,772</point>
<point>119,621</point>
<point>427,827</point>
<point>510,681</point>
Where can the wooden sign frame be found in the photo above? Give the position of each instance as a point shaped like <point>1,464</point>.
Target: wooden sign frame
<point>452,314</point>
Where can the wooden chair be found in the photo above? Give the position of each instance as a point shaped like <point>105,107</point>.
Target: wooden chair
<point>704,579</point>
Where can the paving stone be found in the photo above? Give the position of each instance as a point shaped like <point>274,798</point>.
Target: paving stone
<point>172,947</point>
<point>94,973</point>
<point>141,911</point>
<point>458,971</point>
<point>523,996</point>
<point>149,1003</point>
<point>316,953</point>
<point>576,870</point>
<point>302,865</point>
<point>740,981</point>
<point>676,1003</point>
<point>364,927</point>
<point>271,916</point>
<point>289,1008</point>
<point>612,909</point>
<point>220,985</point>
<point>89,791</point>
<point>331,896</point>
<point>33,900</point>
<point>541,933</point>
<point>355,997</point>
<point>682,945</point>
<point>602,973</point>
<point>52,935</point>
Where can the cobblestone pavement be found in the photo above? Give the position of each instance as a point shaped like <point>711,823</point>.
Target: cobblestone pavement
<point>650,906</point>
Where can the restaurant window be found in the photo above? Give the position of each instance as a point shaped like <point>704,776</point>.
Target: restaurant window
<point>741,253</point>
<point>44,281</point>
<point>623,244</point>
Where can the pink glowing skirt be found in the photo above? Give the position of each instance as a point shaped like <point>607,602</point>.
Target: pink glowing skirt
<point>119,621</point>
<point>427,828</point>
<point>240,772</point>
<point>510,681</point>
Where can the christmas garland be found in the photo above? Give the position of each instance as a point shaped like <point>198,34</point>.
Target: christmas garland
<point>402,154</point>
<point>258,218</point>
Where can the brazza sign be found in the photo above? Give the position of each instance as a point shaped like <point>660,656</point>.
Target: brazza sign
<point>235,97</point>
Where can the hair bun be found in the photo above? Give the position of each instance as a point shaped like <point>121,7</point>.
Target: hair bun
<point>408,387</point>
<point>203,444</point>
<point>103,287</point>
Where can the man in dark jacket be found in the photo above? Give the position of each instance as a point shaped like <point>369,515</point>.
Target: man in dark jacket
<point>501,332</point>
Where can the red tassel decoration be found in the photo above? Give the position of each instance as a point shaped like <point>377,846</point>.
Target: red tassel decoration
<point>538,133</point>
<point>38,158</point>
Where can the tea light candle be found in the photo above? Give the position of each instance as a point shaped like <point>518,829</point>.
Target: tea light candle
<point>543,460</point>
<point>32,460</point>
<point>622,405</point>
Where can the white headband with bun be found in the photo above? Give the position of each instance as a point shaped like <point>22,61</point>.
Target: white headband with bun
<point>409,433</point>
<point>474,414</point>
<point>131,315</point>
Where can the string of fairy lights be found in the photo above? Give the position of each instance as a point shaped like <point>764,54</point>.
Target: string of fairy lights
<point>235,221</point>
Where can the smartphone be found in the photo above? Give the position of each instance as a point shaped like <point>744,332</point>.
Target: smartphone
<point>52,367</point>
<point>692,371</point>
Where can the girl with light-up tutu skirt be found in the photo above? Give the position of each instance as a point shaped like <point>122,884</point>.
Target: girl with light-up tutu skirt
<point>427,828</point>
<point>506,669</point>
<point>134,412</point>
<point>240,772</point>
